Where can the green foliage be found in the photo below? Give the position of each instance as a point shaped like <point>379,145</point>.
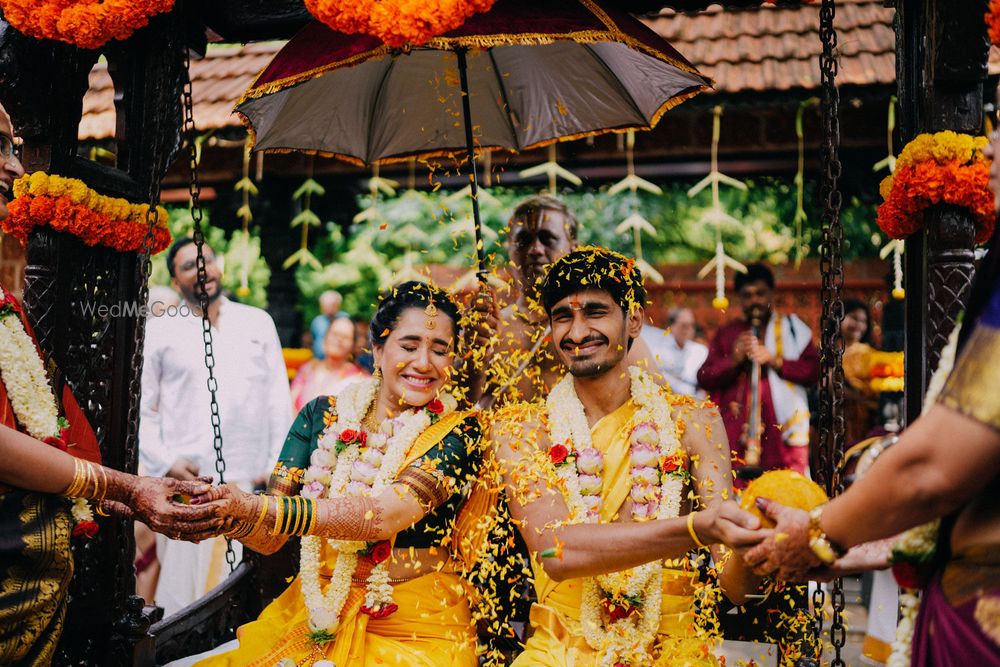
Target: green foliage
<point>237,252</point>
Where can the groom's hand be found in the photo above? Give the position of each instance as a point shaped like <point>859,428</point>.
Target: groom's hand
<point>725,523</point>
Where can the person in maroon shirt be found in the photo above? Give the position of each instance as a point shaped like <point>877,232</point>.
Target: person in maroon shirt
<point>789,364</point>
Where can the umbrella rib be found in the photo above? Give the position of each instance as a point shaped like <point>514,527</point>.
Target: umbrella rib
<point>371,116</point>
<point>614,77</point>
<point>506,102</point>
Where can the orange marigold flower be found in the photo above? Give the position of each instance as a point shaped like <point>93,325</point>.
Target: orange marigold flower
<point>941,168</point>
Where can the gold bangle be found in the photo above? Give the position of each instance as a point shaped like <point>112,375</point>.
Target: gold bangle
<point>103,491</point>
<point>694,535</point>
<point>279,510</point>
<point>263,513</point>
<point>79,473</point>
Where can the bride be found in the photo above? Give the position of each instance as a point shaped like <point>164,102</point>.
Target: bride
<point>380,483</point>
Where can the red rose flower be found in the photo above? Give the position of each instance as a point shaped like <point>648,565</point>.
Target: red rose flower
<point>380,551</point>
<point>349,435</point>
<point>435,407</point>
<point>58,443</point>
<point>382,612</point>
<point>558,454</point>
<point>907,575</point>
<point>362,437</point>
<point>669,464</point>
<point>87,529</point>
<point>618,610</point>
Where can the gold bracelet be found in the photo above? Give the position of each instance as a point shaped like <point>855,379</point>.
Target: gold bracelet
<point>279,511</point>
<point>103,492</point>
<point>694,535</point>
<point>263,513</point>
<point>79,474</point>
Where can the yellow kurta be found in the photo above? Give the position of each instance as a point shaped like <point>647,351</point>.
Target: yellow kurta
<point>433,626</point>
<point>557,639</point>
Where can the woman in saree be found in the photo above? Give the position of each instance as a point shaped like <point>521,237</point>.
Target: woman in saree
<point>939,483</point>
<point>375,480</point>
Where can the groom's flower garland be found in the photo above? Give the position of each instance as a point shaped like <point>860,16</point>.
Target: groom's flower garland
<point>352,462</point>
<point>658,476</point>
<point>31,396</point>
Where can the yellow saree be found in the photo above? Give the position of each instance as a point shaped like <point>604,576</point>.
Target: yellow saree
<point>557,639</point>
<point>433,626</point>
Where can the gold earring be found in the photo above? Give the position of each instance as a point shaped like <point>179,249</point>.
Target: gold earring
<point>377,375</point>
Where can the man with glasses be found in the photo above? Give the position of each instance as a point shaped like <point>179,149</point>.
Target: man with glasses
<point>782,345</point>
<point>175,433</point>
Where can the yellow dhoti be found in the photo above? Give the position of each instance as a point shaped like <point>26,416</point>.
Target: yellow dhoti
<point>557,638</point>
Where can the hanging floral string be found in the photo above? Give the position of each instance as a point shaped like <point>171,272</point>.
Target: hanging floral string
<point>68,205</point>
<point>88,25</point>
<point>376,185</point>
<point>718,217</point>
<point>306,219</point>
<point>396,22</point>
<point>800,181</point>
<point>941,168</point>
<point>895,247</point>
<point>247,187</point>
<point>635,221</point>
<point>553,170</point>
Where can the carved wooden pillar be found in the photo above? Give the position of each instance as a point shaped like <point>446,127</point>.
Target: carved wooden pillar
<point>43,85</point>
<point>942,52</point>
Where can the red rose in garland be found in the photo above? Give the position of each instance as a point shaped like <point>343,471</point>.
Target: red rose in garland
<point>558,454</point>
<point>380,551</point>
<point>435,407</point>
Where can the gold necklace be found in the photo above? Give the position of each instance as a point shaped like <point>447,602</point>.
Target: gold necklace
<point>369,422</point>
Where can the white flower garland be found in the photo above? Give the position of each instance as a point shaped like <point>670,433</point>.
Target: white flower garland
<point>624,638</point>
<point>361,468</point>
<point>29,391</point>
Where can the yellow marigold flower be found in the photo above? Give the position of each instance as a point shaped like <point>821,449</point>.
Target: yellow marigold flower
<point>38,184</point>
<point>22,186</point>
<point>784,486</point>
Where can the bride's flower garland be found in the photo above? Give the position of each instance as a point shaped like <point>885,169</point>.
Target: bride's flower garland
<point>658,475</point>
<point>31,396</point>
<point>350,461</point>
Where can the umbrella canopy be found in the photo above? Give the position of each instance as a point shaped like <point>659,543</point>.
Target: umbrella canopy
<point>538,71</point>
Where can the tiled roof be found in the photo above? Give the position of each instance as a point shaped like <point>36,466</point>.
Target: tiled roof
<point>778,48</point>
<point>756,49</point>
<point>219,80</point>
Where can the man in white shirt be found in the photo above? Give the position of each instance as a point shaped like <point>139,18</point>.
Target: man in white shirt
<point>678,355</point>
<point>175,433</point>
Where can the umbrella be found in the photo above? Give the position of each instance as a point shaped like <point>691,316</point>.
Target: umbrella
<point>534,71</point>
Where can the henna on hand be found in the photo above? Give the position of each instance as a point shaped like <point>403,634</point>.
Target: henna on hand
<point>352,518</point>
<point>153,502</point>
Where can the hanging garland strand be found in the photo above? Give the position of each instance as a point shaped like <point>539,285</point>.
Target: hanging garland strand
<point>306,219</point>
<point>800,181</point>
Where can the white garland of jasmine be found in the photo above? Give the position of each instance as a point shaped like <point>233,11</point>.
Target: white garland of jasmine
<point>355,471</point>
<point>30,393</point>
<point>625,638</point>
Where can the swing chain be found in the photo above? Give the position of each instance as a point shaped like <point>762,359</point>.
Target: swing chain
<point>143,269</point>
<point>194,190</point>
<point>832,270</point>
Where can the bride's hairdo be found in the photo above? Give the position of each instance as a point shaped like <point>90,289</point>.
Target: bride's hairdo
<point>411,294</point>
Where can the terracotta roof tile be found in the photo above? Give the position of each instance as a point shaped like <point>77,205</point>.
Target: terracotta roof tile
<point>777,48</point>
<point>756,49</point>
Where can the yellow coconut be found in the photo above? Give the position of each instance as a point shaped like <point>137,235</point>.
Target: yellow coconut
<point>784,486</point>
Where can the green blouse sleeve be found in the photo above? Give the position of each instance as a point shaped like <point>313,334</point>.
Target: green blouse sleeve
<point>448,468</point>
<point>302,439</point>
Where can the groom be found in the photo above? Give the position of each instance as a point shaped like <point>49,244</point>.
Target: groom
<point>594,300</point>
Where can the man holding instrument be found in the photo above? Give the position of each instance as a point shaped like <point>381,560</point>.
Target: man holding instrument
<point>788,363</point>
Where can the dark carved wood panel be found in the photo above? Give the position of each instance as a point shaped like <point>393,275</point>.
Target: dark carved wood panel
<point>950,269</point>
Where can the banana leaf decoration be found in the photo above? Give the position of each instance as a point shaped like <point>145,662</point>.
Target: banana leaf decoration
<point>305,219</point>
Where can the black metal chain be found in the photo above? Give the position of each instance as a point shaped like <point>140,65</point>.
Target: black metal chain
<point>130,462</point>
<point>831,449</point>
<point>194,189</point>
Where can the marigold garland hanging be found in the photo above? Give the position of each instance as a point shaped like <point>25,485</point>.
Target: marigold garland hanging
<point>396,22</point>
<point>68,205</point>
<point>941,168</point>
<point>993,22</point>
<point>88,24</point>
